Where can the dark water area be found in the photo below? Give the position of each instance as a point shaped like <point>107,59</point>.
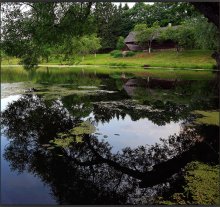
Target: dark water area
<point>102,140</point>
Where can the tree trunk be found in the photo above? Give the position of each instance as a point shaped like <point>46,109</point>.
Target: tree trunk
<point>177,48</point>
<point>149,45</point>
<point>210,10</point>
<point>216,56</point>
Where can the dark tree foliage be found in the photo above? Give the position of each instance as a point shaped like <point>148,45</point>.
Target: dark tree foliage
<point>30,29</point>
<point>106,18</point>
<point>163,12</point>
<point>133,176</point>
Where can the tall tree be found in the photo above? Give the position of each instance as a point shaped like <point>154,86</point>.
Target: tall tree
<point>43,25</point>
<point>107,19</point>
<point>211,10</point>
<point>182,35</point>
<point>146,34</point>
<point>206,34</point>
<point>120,43</point>
<point>172,12</point>
<point>164,12</point>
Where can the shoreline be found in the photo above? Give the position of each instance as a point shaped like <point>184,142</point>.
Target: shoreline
<point>109,66</point>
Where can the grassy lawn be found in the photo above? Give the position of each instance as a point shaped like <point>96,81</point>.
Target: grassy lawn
<point>186,59</point>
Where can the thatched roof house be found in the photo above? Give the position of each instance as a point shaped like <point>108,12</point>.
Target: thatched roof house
<point>133,47</point>
<point>131,43</point>
<point>130,38</point>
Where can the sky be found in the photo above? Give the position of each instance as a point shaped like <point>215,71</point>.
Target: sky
<point>130,4</point>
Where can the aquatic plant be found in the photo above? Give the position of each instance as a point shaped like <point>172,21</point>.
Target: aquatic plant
<point>65,139</point>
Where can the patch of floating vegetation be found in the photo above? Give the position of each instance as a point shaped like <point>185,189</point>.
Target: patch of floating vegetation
<point>8,89</point>
<point>65,139</point>
<point>50,92</point>
<point>200,186</point>
<point>207,117</point>
<point>125,104</point>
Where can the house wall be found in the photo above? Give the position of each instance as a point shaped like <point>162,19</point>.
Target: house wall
<point>125,48</point>
<point>163,45</point>
<point>156,45</point>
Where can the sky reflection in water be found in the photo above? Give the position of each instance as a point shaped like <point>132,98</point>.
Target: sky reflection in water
<point>20,188</point>
<point>122,132</point>
<point>26,188</point>
<point>134,133</point>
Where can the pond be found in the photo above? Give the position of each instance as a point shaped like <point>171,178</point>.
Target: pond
<point>73,137</point>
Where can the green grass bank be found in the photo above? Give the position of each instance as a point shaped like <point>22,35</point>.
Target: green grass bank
<point>166,59</point>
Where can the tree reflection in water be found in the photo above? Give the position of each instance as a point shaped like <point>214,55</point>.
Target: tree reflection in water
<point>88,172</point>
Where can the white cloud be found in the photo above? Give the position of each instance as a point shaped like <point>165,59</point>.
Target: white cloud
<point>130,4</point>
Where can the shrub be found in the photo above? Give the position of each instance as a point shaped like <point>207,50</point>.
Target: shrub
<point>116,53</point>
<point>113,52</point>
<point>130,54</point>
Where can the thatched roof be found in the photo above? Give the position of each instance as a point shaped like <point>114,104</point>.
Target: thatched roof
<point>131,36</point>
<point>134,47</point>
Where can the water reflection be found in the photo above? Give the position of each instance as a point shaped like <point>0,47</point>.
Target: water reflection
<point>124,161</point>
<point>89,172</point>
<point>123,132</point>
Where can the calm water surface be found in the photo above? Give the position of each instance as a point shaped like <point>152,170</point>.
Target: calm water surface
<point>85,140</point>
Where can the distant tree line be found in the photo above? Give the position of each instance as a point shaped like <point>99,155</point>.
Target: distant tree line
<point>193,33</point>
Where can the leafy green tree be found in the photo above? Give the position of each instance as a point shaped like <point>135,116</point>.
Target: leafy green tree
<point>146,34</point>
<point>206,34</point>
<point>84,43</point>
<point>72,49</point>
<point>140,13</point>
<point>29,35</point>
<point>171,12</point>
<point>183,36</point>
<point>89,44</point>
<point>120,43</point>
<point>163,12</point>
<point>125,24</point>
<point>107,20</point>
<point>69,50</point>
<point>94,44</point>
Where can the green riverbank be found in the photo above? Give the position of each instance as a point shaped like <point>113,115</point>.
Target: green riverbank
<point>193,59</point>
